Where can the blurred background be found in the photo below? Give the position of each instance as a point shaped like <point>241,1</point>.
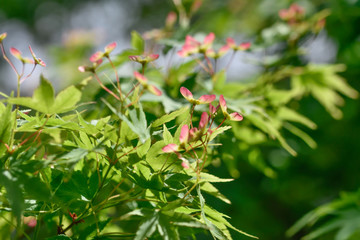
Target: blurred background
<point>65,33</point>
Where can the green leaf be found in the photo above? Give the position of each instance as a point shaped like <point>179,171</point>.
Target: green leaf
<point>127,133</point>
<point>167,135</point>
<point>35,188</point>
<point>43,99</point>
<point>301,134</point>
<point>214,230</point>
<point>338,83</point>
<point>248,106</point>
<point>327,227</point>
<point>137,42</point>
<point>210,189</point>
<point>256,159</point>
<point>219,80</point>
<point>309,219</point>
<point>288,114</point>
<point>147,227</point>
<point>129,215</point>
<point>143,148</point>
<point>218,131</point>
<point>279,97</point>
<point>166,228</point>
<point>329,99</point>
<point>269,127</point>
<point>157,181</point>
<point>206,177</point>
<point>66,100</point>
<point>81,184</point>
<point>169,117</point>
<point>14,193</point>
<point>73,156</point>
<point>59,237</point>
<point>89,128</point>
<point>6,124</point>
<point>181,219</point>
<point>220,218</point>
<point>86,140</point>
<point>91,231</point>
<point>137,122</point>
<point>44,94</point>
<point>249,135</point>
<point>323,82</point>
<point>155,160</point>
<point>93,184</point>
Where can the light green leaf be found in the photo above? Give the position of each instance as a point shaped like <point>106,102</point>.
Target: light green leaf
<point>218,80</point>
<point>269,127</point>
<point>288,114</point>
<point>256,160</point>
<point>324,229</point>
<point>167,135</point>
<point>66,100</point>
<point>169,117</point>
<point>44,94</point>
<point>301,134</point>
<point>329,99</point>
<point>279,97</point>
<point>324,84</point>
<point>86,141</point>
<point>137,42</point>
<point>210,189</point>
<point>218,131</point>
<point>89,128</point>
<point>127,216</point>
<point>246,106</point>
<point>143,148</point>
<point>155,149</point>
<point>340,85</point>
<point>157,161</point>
<point>43,99</point>
<point>127,133</point>
<point>220,218</point>
<point>249,135</point>
<point>137,122</point>
<point>214,230</point>
<point>206,177</point>
<point>6,124</point>
<point>73,156</point>
<point>309,219</point>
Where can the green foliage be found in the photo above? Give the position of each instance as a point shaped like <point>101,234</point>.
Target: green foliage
<point>44,101</point>
<point>344,219</point>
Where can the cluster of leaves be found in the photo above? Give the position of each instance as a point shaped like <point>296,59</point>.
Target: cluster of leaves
<point>130,164</point>
<point>341,215</point>
<point>65,173</point>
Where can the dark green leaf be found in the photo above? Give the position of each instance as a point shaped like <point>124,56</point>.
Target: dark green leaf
<point>147,227</point>
<point>14,193</point>
<point>59,237</point>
